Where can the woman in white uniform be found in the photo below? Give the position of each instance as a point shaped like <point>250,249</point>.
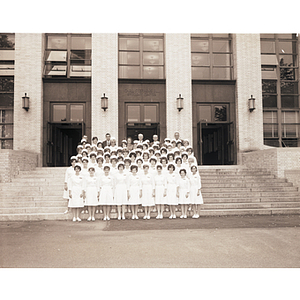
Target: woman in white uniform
<point>106,192</point>
<point>92,192</point>
<point>76,193</point>
<point>120,190</point>
<point>147,191</point>
<point>69,172</point>
<point>172,184</point>
<point>183,192</point>
<point>160,191</point>
<point>195,191</point>
<point>134,191</point>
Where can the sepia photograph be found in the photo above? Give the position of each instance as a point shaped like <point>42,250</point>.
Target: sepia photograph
<point>135,152</point>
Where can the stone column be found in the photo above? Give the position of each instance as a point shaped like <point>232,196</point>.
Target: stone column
<point>178,81</point>
<point>29,64</point>
<point>105,80</point>
<point>249,125</point>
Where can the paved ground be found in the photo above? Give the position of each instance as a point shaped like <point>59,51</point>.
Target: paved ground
<point>208,242</point>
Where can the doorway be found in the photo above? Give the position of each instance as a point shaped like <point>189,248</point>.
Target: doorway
<point>216,143</point>
<point>147,130</point>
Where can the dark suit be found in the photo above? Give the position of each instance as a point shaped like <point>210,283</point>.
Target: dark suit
<point>106,143</point>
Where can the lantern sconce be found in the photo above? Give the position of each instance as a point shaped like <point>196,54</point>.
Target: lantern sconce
<point>251,103</point>
<point>104,102</point>
<point>25,102</point>
<point>179,103</point>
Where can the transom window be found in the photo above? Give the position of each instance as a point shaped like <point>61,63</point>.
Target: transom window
<point>141,56</point>
<point>280,89</point>
<point>67,112</point>
<point>211,56</point>
<point>7,54</point>
<point>142,113</point>
<point>68,55</point>
<point>213,113</point>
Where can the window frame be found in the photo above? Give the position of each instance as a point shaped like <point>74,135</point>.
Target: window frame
<point>142,112</point>
<point>68,112</point>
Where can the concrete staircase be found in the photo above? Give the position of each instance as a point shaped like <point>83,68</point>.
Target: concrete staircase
<point>227,190</point>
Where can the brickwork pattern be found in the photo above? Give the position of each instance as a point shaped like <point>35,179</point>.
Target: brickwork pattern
<point>12,162</point>
<point>105,80</point>
<point>277,160</point>
<point>178,81</point>
<point>247,64</point>
<point>28,79</point>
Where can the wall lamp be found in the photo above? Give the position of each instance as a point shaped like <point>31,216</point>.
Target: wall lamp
<point>104,102</point>
<point>251,103</point>
<point>25,102</point>
<point>179,103</point>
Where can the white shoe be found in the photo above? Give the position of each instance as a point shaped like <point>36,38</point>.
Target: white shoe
<point>93,219</point>
<point>161,216</point>
<point>171,217</point>
<point>104,219</point>
<point>119,218</point>
<point>78,219</point>
<point>182,216</point>
<point>185,216</point>
<point>89,219</point>
<point>107,218</point>
<point>145,217</point>
<point>136,217</point>
<point>74,219</point>
<point>66,212</point>
<point>133,217</point>
<point>101,211</point>
<point>97,211</point>
<point>158,217</point>
<point>123,218</point>
<point>174,216</point>
<point>148,217</point>
<point>82,211</point>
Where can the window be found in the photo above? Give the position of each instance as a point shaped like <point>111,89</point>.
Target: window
<point>141,56</point>
<point>142,113</point>
<point>68,55</point>
<point>67,112</point>
<point>7,54</point>
<point>214,113</point>
<point>211,56</point>
<point>280,89</point>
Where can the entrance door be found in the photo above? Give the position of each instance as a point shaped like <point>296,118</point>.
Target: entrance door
<point>147,130</point>
<point>215,143</point>
<point>64,132</point>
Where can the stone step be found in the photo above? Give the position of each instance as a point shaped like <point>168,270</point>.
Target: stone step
<point>249,200</point>
<point>99,217</point>
<point>229,194</point>
<point>246,185</point>
<point>32,210</point>
<point>251,205</point>
<point>10,204</point>
<point>249,189</point>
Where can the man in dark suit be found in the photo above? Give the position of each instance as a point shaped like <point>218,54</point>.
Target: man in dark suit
<point>107,142</point>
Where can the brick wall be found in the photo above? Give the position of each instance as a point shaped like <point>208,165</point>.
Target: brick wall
<point>105,80</point>
<point>247,64</point>
<point>13,161</point>
<point>178,81</point>
<point>28,79</point>
<point>279,161</point>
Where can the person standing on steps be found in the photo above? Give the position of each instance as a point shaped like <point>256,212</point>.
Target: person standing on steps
<point>69,172</point>
<point>107,142</point>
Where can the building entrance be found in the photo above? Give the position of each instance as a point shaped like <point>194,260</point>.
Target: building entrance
<point>62,142</point>
<point>215,143</point>
<point>147,130</point>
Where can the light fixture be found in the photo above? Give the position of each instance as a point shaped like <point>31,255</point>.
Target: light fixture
<point>179,103</point>
<point>104,102</point>
<point>251,103</point>
<point>25,102</point>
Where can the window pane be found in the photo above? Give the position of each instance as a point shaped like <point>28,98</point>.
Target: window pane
<point>267,35</point>
<point>200,46</point>
<point>289,131</point>
<point>221,46</point>
<point>221,73</point>
<point>153,72</point>
<point>129,58</point>
<point>56,55</point>
<point>6,84</point>
<point>289,117</point>
<point>7,41</point>
<point>7,69</point>
<point>289,101</point>
<point>133,113</point>
<point>153,44</point>
<point>270,130</point>
<point>269,86</point>
<point>129,72</point>
<point>291,142</point>
<point>81,43</point>
<point>287,74</point>
<point>200,59</point>
<point>76,113</point>
<point>153,58</point>
<point>288,60</point>
<point>267,46</point>
<point>59,113</point>
<point>81,55</point>
<point>6,131</point>
<point>150,113</point>
<point>287,47</point>
<point>129,43</point>
<point>7,55</point>
<point>272,143</point>
<point>289,87</point>
<point>80,71</point>
<point>268,73</point>
<point>220,35</point>
<point>200,73</point>
<point>220,113</point>
<point>285,35</point>
<point>6,144</point>
<point>221,59</point>
<point>204,113</point>
<point>270,117</point>
<point>7,99</point>
<point>57,42</point>
<point>6,116</point>
<point>269,101</point>
<point>55,70</point>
